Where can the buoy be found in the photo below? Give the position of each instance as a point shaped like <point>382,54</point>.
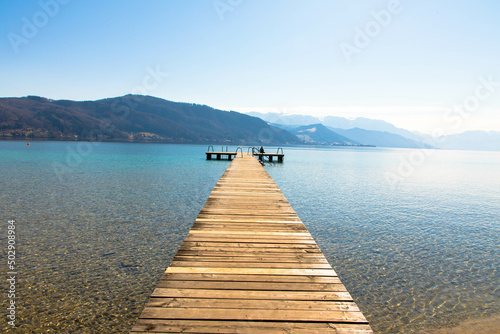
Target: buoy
<point>28,144</point>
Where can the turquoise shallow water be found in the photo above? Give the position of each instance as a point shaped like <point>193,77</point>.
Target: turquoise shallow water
<point>98,223</point>
<point>419,254</point>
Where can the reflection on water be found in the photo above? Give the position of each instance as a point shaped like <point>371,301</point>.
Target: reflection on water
<point>93,247</point>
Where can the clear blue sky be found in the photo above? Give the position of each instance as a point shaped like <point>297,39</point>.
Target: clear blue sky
<point>265,55</point>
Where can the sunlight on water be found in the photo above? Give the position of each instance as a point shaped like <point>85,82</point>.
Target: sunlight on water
<point>97,229</point>
<point>421,254</point>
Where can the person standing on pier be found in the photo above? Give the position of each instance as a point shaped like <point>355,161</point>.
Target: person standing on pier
<point>261,151</point>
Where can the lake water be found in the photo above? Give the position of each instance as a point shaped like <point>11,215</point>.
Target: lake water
<point>413,235</point>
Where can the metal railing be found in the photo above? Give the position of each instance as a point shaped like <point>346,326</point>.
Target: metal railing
<point>253,149</point>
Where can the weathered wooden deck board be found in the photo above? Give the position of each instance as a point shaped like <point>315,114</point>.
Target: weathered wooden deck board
<point>249,265</point>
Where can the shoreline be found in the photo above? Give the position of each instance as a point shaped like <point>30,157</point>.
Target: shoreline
<point>487,325</point>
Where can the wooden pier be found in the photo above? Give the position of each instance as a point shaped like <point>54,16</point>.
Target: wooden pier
<point>249,265</point>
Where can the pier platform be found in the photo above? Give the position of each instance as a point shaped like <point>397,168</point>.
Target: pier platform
<point>220,155</point>
<point>226,155</point>
<point>271,157</point>
<point>249,265</point>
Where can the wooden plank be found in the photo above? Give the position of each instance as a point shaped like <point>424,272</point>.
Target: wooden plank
<point>245,225</point>
<point>235,229</point>
<point>252,271</point>
<point>248,258</point>
<point>290,241</point>
<point>250,294</point>
<point>246,327</point>
<point>250,234</point>
<point>250,238</point>
<point>294,220</point>
<point>250,278</point>
<point>249,217</point>
<point>235,234</point>
<point>246,246</point>
<point>249,265</point>
<point>251,314</point>
<point>269,305</point>
<point>253,250</point>
<point>261,286</point>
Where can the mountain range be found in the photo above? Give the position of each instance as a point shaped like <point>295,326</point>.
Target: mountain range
<point>366,131</point>
<point>320,134</point>
<point>133,118</point>
<point>472,140</point>
<point>138,118</point>
<point>336,123</point>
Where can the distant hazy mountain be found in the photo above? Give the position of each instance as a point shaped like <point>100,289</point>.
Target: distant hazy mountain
<point>361,130</point>
<point>472,140</point>
<point>367,124</point>
<point>378,138</point>
<point>295,120</point>
<point>133,118</point>
<point>320,134</point>
<point>337,123</point>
